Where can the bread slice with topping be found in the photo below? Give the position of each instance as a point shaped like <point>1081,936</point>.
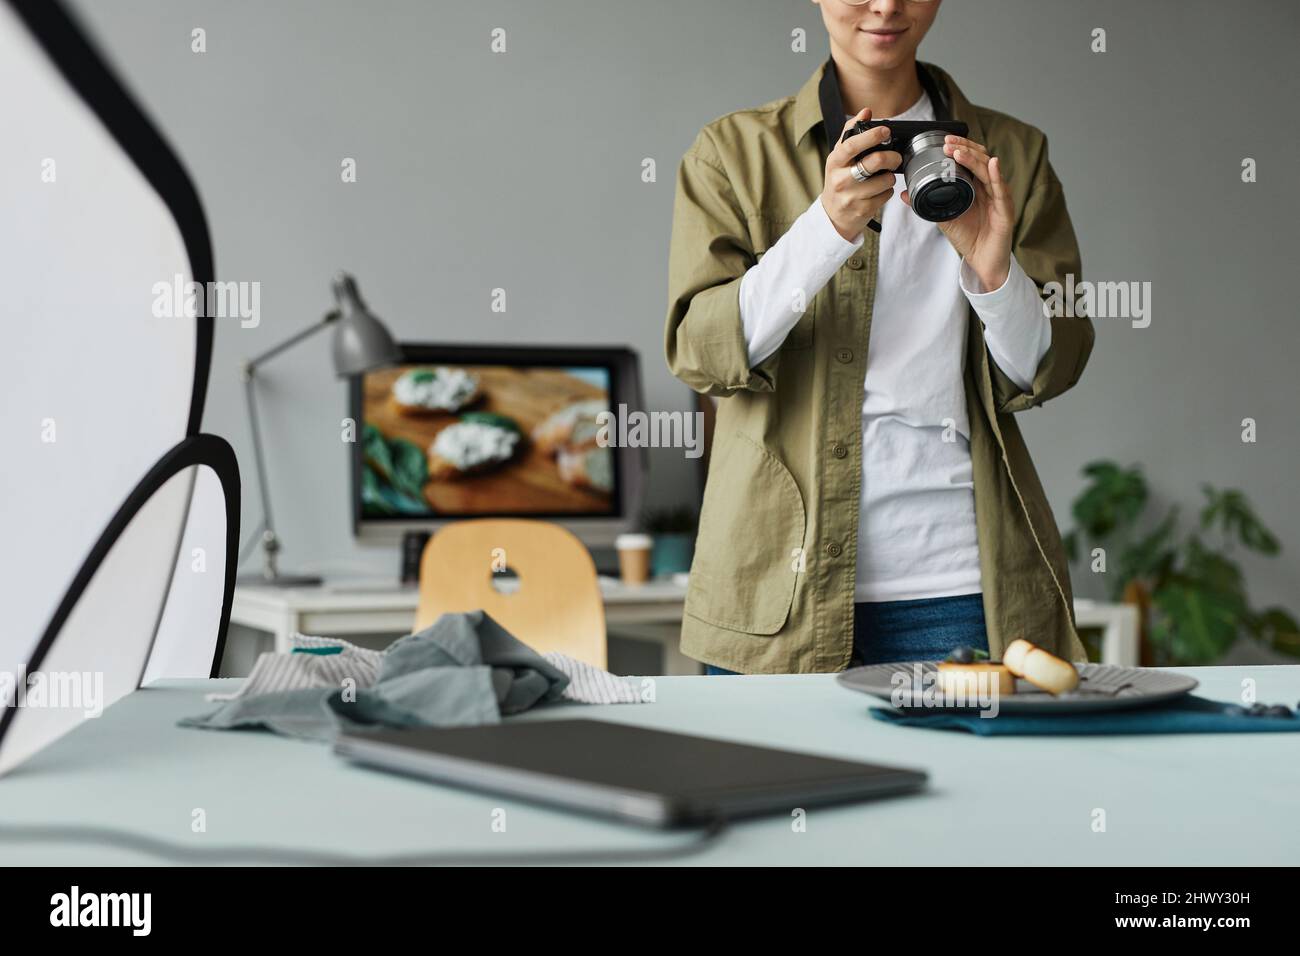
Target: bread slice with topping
<point>478,442</point>
<point>434,391</point>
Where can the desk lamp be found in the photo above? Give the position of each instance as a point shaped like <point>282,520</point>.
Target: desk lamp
<point>360,343</point>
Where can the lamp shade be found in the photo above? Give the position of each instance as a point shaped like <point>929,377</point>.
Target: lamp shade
<point>361,341</point>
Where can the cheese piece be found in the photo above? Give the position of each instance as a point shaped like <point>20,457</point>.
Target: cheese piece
<point>971,680</point>
<point>1041,668</point>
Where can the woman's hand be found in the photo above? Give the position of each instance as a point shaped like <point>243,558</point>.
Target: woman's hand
<point>851,204</point>
<point>982,234</point>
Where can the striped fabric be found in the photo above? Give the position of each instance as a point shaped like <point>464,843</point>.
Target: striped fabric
<point>276,672</point>
<point>591,685</point>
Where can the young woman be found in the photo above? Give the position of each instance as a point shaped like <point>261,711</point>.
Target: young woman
<point>870,497</point>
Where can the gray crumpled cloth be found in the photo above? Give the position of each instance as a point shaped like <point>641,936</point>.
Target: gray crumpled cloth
<point>463,669</point>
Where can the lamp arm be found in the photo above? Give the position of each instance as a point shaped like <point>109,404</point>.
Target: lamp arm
<point>251,365</point>
<point>266,531</point>
<point>259,459</point>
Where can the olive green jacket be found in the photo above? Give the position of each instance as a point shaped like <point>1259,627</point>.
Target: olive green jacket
<point>772,584</point>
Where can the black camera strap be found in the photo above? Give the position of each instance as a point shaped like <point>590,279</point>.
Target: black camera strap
<point>938,97</point>
<point>828,92</point>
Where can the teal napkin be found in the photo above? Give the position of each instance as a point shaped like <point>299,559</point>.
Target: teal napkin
<point>1186,715</point>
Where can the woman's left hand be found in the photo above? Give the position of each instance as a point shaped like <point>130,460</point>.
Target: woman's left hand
<point>982,234</point>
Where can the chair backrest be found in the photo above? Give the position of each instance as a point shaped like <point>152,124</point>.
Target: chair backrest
<point>556,605</point>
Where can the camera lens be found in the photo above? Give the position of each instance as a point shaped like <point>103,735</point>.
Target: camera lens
<point>939,187</point>
<point>942,195</point>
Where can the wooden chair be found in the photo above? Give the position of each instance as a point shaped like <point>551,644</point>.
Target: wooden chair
<point>557,604</point>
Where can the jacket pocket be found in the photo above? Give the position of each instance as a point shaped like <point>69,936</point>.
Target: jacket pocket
<point>751,529</point>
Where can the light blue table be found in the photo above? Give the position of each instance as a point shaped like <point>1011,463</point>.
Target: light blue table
<point>1183,800</point>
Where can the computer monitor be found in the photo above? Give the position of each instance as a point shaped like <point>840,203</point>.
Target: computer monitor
<point>466,431</point>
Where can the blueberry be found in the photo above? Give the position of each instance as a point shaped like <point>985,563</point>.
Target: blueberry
<point>1279,710</point>
<point>1258,710</point>
<point>962,655</point>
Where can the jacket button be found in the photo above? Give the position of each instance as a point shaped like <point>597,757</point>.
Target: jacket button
<point>855,262</point>
<point>844,355</point>
<point>839,451</point>
<point>833,550</point>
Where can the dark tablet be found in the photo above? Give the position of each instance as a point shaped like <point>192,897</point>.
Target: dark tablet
<point>619,770</point>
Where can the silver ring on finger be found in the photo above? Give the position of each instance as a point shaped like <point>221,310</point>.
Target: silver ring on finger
<point>859,174</point>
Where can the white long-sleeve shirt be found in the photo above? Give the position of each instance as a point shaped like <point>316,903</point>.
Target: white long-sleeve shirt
<point>916,525</point>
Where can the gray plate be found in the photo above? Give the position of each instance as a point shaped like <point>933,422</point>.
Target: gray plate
<point>1101,687</point>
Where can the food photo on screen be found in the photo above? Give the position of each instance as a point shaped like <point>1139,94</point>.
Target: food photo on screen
<point>444,439</point>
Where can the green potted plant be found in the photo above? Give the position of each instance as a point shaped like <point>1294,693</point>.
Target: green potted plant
<point>673,530</point>
<point>1188,589</point>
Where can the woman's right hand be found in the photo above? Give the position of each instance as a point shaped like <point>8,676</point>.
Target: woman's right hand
<point>851,204</point>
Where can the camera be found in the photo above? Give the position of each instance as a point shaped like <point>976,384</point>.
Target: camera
<point>940,188</point>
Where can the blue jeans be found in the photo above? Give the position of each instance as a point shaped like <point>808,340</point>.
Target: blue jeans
<point>921,630</point>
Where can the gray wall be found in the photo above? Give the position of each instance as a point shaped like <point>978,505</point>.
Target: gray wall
<point>523,171</point>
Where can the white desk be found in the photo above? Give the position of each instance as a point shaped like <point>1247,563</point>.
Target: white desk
<point>1178,800</point>
<point>350,608</point>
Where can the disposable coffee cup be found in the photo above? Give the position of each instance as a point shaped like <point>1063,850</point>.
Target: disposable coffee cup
<point>634,557</point>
